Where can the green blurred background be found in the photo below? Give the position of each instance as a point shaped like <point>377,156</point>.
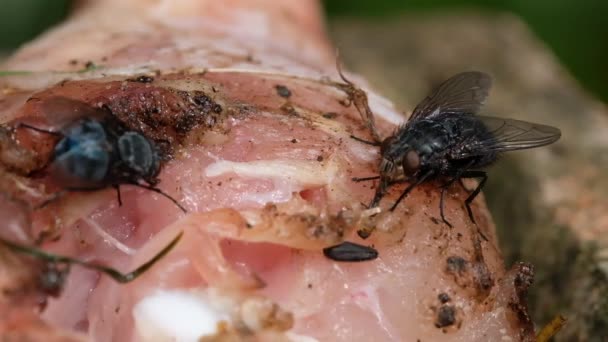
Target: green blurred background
<point>575,30</point>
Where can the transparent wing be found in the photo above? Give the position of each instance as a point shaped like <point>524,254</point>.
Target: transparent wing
<point>508,135</point>
<point>463,93</point>
<point>58,111</point>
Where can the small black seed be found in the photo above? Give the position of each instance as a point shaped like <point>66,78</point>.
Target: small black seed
<point>283,91</point>
<point>351,252</point>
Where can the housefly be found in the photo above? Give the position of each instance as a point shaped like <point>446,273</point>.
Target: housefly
<point>444,138</point>
<point>95,150</point>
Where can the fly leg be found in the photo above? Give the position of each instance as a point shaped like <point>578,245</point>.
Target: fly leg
<point>117,187</point>
<point>372,143</point>
<point>364,179</point>
<point>444,189</point>
<point>162,193</point>
<point>484,177</point>
<point>411,187</point>
<point>380,192</point>
<point>474,174</point>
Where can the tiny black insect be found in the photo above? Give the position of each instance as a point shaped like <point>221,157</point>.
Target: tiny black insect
<point>351,252</point>
<point>445,139</point>
<point>95,151</point>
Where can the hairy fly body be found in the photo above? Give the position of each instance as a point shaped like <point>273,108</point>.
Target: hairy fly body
<point>95,150</point>
<point>444,138</point>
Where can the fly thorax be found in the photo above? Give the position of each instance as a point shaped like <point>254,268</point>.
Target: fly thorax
<point>138,154</point>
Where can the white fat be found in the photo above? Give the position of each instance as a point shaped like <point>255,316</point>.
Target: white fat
<point>176,315</point>
<point>299,338</point>
<point>295,171</point>
<point>109,238</point>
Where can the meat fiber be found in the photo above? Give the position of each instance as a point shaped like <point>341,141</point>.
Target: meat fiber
<point>257,126</point>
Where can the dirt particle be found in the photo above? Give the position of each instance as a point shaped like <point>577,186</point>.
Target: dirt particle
<point>434,220</point>
<point>289,110</point>
<point>283,91</point>
<point>293,141</point>
<point>309,285</point>
<point>446,316</point>
<point>456,264</point>
<point>73,61</point>
<point>330,115</point>
<point>142,79</point>
<point>320,159</point>
<point>443,297</point>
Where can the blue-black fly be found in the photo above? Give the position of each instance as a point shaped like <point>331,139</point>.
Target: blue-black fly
<point>444,138</point>
<point>95,150</point>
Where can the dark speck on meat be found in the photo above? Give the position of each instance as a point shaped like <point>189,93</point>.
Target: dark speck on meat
<point>443,297</point>
<point>283,91</point>
<point>446,316</point>
<point>456,264</point>
<point>142,79</point>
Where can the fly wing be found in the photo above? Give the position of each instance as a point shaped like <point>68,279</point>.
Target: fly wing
<point>463,93</point>
<point>59,111</point>
<point>504,135</point>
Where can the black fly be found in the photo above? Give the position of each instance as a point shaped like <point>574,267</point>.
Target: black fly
<point>445,139</point>
<point>95,150</point>
<point>350,252</point>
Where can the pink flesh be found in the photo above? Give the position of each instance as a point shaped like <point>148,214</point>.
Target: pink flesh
<point>391,298</point>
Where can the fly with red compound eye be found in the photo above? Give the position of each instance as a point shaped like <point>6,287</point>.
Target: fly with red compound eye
<point>444,138</point>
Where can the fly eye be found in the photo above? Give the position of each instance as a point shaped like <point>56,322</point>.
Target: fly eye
<point>411,162</point>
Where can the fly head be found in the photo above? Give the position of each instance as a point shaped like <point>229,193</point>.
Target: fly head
<point>139,155</point>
